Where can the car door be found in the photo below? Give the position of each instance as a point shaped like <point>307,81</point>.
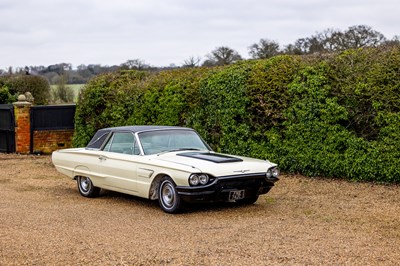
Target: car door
<point>118,163</point>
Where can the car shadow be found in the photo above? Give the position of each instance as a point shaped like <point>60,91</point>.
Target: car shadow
<point>187,209</point>
<point>122,197</point>
<point>215,207</point>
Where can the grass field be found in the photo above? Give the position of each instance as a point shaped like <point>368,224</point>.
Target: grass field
<point>76,88</point>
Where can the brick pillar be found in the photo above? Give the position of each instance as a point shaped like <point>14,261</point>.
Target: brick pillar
<point>22,110</point>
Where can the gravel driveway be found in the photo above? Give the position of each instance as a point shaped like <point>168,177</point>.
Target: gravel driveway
<point>302,221</point>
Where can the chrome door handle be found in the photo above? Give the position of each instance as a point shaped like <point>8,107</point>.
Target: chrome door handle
<point>102,158</point>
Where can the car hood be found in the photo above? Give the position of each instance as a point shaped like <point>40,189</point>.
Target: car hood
<point>217,164</point>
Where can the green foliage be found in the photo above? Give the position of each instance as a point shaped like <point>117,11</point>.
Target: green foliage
<point>36,85</point>
<point>267,90</point>
<point>5,96</point>
<point>314,140</point>
<point>387,154</point>
<point>168,98</point>
<point>106,101</point>
<point>334,116</point>
<point>220,115</point>
<point>136,98</point>
<point>366,81</point>
<point>319,137</point>
<point>62,94</point>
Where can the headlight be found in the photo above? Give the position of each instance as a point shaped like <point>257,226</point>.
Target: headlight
<point>194,180</point>
<point>269,173</point>
<point>275,172</point>
<point>203,178</point>
<point>198,179</point>
<point>272,172</point>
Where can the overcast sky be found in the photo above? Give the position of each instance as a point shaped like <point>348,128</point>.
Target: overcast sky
<point>164,32</point>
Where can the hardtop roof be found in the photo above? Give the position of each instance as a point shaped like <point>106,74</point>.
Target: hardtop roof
<point>100,136</point>
<point>136,129</point>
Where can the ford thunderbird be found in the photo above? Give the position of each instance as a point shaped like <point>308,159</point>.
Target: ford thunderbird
<point>173,165</point>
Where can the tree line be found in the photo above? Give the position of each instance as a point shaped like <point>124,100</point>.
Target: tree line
<point>327,41</point>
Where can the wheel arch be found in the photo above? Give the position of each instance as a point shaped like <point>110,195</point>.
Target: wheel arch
<point>81,170</point>
<point>155,184</point>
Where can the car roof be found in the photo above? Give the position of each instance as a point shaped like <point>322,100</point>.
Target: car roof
<point>136,129</point>
<point>101,134</point>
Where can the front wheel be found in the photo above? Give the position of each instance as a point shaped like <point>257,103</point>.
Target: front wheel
<point>168,198</point>
<point>86,187</point>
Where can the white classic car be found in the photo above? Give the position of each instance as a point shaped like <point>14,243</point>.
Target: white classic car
<point>171,164</point>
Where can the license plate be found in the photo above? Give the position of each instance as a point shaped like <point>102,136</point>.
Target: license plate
<point>236,195</point>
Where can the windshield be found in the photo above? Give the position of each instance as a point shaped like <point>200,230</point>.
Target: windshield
<point>170,140</point>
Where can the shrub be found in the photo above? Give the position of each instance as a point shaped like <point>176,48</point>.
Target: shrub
<point>36,85</point>
<point>336,115</point>
<point>220,114</point>
<point>108,100</point>
<point>269,97</point>
<point>168,97</point>
<point>5,96</point>
<point>366,81</point>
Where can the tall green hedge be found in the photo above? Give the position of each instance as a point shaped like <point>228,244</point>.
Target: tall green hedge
<point>335,116</point>
<point>106,101</point>
<point>133,97</point>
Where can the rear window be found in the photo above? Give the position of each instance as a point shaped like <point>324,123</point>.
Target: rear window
<point>98,139</point>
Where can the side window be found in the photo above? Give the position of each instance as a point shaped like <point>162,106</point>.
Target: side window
<point>122,143</point>
<point>98,139</point>
<point>107,147</point>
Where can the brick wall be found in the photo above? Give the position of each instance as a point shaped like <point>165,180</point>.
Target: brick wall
<point>45,141</point>
<point>48,141</point>
<point>22,127</point>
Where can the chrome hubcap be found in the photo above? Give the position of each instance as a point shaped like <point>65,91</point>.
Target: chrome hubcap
<point>168,195</point>
<point>85,183</point>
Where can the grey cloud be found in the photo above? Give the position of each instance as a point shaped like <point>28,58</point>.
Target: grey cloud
<point>162,32</point>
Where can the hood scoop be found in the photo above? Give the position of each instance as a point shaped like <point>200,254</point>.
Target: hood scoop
<point>211,157</point>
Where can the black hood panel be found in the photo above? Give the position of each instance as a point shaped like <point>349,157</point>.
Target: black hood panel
<point>211,157</point>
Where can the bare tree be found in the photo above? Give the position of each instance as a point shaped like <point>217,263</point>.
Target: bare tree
<point>192,62</point>
<point>221,56</point>
<point>393,42</point>
<point>334,40</point>
<point>293,49</point>
<point>81,67</point>
<point>318,43</point>
<point>264,49</point>
<point>137,64</point>
<point>62,93</point>
<point>361,36</point>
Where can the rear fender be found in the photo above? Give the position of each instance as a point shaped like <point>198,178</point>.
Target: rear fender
<point>81,170</point>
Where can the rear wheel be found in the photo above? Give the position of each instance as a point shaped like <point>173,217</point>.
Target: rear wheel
<point>168,198</point>
<point>86,187</point>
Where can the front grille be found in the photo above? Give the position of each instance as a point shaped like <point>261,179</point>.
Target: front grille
<point>242,181</point>
<point>220,189</point>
